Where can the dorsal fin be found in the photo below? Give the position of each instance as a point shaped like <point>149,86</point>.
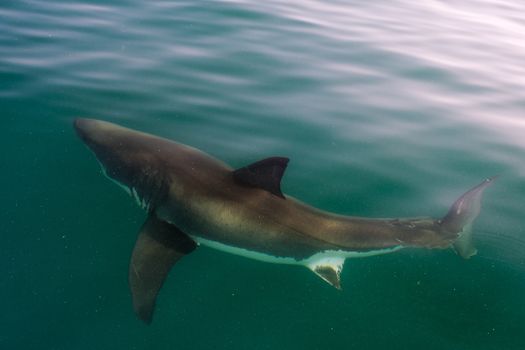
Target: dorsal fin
<point>265,174</point>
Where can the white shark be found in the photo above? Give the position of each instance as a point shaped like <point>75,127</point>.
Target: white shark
<point>192,199</point>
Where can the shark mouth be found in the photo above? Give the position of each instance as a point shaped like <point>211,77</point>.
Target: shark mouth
<point>141,200</point>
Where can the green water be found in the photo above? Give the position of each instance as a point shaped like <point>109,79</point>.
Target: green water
<point>386,109</point>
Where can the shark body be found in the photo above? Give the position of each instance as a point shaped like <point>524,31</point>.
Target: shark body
<point>192,198</point>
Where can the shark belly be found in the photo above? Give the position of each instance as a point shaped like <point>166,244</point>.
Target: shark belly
<point>247,253</point>
<point>321,257</point>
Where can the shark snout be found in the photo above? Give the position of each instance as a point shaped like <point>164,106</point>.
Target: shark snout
<point>86,129</point>
<point>97,133</point>
<point>103,138</point>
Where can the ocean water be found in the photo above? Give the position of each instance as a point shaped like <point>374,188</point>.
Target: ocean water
<point>385,108</point>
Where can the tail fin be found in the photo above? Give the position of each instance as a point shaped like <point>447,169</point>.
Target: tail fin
<point>460,217</point>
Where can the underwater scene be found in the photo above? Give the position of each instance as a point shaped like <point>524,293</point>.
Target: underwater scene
<point>308,140</point>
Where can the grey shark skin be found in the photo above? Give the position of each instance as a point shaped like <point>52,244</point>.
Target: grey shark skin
<point>192,199</point>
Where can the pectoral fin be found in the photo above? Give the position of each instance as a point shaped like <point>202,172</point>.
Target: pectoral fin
<point>159,246</point>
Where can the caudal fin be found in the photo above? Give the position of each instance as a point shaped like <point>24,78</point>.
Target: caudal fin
<point>460,217</point>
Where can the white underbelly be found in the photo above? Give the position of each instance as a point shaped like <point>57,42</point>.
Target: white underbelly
<point>321,256</point>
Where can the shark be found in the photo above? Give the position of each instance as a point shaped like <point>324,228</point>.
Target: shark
<point>194,199</point>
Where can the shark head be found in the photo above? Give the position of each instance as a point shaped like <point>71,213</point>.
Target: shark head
<point>130,158</point>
